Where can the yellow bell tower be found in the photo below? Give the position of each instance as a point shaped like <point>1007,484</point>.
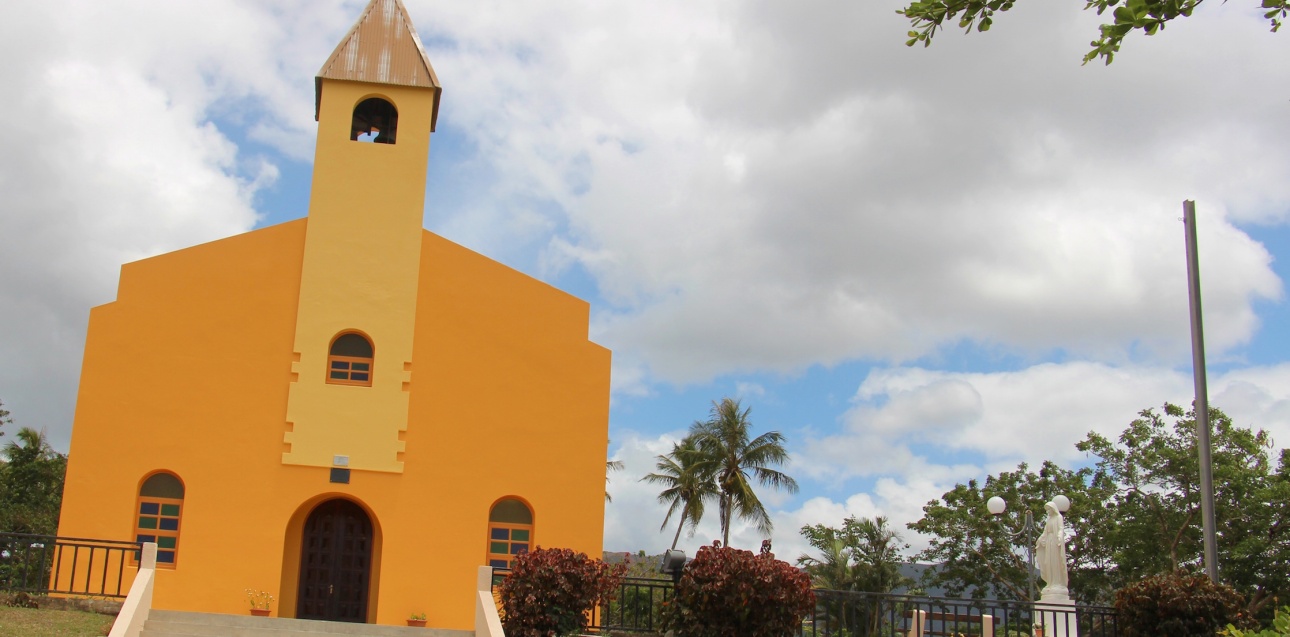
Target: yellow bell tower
<point>377,100</point>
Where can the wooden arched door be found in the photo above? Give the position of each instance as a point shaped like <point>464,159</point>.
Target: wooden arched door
<point>335,563</point>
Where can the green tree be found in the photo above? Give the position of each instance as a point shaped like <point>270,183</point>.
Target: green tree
<point>979,556</point>
<point>864,555</point>
<point>1135,513</point>
<point>730,457</point>
<point>685,487</point>
<point>1148,16</point>
<point>31,484</point>
<point>1156,505</point>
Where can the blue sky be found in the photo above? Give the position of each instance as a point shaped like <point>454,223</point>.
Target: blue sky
<point>920,265</point>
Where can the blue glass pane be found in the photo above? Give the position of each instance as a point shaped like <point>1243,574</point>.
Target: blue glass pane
<point>498,563</point>
<point>358,376</point>
<point>149,508</point>
<point>166,557</point>
<point>516,549</point>
<point>500,534</point>
<point>169,524</point>
<point>340,364</point>
<point>145,538</point>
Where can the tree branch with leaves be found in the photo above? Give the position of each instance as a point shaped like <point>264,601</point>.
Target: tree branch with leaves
<point>1148,16</point>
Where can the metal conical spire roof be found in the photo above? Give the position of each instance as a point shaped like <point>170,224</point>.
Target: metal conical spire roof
<point>382,48</point>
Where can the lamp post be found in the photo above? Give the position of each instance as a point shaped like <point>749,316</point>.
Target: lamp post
<point>997,506</point>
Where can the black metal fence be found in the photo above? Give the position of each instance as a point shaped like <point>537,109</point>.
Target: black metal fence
<point>639,603</point>
<point>45,564</point>
<point>856,614</point>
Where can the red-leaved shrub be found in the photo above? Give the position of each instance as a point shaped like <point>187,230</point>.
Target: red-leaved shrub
<point>550,591</point>
<point>727,592</point>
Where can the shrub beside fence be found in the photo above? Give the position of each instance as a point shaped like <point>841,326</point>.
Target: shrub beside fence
<point>45,564</point>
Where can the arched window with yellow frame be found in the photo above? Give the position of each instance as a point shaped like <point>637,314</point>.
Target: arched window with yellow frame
<point>349,360</point>
<point>510,531</point>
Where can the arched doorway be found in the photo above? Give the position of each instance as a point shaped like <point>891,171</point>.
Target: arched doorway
<point>335,563</point>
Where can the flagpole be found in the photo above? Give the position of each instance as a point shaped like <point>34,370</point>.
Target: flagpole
<point>1201,404</point>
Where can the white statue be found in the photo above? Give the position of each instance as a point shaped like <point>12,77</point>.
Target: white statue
<point>1050,551</point>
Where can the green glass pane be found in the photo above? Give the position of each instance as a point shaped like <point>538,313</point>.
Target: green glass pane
<point>171,510</point>
<point>519,535</point>
<point>164,542</point>
<point>147,523</point>
<point>498,547</point>
<point>340,375</point>
<point>361,367</point>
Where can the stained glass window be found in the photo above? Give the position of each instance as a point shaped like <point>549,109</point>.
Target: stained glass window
<point>510,531</point>
<point>157,516</point>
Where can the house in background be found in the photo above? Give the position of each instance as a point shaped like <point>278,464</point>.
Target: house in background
<point>346,411</point>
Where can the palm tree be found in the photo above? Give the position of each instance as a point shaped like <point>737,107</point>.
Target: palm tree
<point>610,467</point>
<point>685,487</point>
<point>729,456</point>
<point>833,570</point>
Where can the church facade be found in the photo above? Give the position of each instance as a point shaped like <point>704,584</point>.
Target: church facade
<point>345,411</point>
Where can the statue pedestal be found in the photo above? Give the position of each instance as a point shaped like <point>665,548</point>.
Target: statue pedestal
<point>1055,612</point>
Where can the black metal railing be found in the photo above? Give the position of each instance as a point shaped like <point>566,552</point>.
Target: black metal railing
<point>857,614</point>
<point>638,606</point>
<point>44,564</point>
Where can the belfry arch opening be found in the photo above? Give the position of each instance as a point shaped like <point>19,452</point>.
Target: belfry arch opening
<point>375,120</point>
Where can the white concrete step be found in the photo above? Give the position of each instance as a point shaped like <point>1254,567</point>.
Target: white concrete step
<point>169,623</point>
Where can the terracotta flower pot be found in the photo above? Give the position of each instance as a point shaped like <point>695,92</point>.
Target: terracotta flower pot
<point>420,623</point>
<point>260,612</point>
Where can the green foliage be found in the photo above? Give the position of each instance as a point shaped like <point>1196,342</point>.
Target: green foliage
<point>1280,627</point>
<point>728,592</point>
<point>4,417</point>
<point>979,556</point>
<point>1148,16</point>
<point>549,592</point>
<point>610,467</point>
<point>864,555</point>
<point>31,484</point>
<point>1156,506</point>
<point>1178,605</point>
<point>1134,514</point>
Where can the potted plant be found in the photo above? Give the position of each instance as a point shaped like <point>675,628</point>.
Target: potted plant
<point>261,601</point>
<point>417,619</point>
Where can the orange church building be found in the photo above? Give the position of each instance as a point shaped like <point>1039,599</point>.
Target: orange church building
<point>346,410</point>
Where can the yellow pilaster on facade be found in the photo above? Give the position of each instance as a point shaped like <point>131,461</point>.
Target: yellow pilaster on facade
<point>363,240</point>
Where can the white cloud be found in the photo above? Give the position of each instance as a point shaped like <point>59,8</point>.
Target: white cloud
<point>1030,415</point>
<point>759,188</point>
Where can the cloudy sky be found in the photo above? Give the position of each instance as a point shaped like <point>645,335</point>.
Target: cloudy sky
<point>920,265</point>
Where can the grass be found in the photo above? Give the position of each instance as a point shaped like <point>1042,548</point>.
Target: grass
<point>31,622</point>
